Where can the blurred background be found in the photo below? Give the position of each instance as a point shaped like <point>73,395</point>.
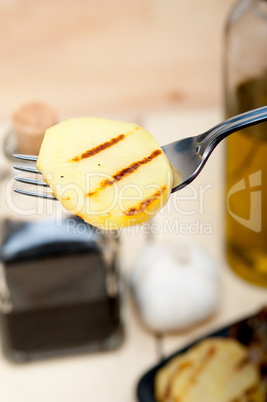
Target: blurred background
<point>99,57</point>
<point>158,63</point>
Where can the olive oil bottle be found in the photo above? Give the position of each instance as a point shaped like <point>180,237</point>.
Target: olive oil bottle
<point>246,151</point>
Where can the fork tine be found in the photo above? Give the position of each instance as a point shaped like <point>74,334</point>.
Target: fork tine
<point>32,194</point>
<point>30,169</point>
<point>26,157</point>
<point>26,169</point>
<point>31,181</point>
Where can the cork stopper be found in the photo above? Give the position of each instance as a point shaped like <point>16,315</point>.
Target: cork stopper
<point>30,122</point>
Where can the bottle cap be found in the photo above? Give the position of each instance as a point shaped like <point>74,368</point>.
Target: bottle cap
<point>30,122</point>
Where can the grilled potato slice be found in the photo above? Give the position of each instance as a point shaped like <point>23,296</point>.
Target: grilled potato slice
<point>111,174</point>
<point>217,369</point>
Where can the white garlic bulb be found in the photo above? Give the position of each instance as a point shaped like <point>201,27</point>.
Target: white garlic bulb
<point>175,285</point>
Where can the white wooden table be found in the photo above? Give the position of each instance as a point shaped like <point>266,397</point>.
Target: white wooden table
<point>112,377</point>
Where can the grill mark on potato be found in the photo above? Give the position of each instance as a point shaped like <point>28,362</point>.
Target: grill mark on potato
<point>126,171</point>
<point>99,148</point>
<point>194,377</point>
<point>181,367</point>
<point>210,352</point>
<point>245,394</point>
<point>167,392</point>
<point>242,363</point>
<point>144,204</point>
<point>250,391</point>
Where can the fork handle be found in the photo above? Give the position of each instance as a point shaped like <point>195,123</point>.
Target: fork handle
<point>207,141</point>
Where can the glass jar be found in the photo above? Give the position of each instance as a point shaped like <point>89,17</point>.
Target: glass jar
<point>60,288</point>
<point>245,79</point>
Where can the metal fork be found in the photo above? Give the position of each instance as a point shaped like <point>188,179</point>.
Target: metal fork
<point>187,156</point>
<point>33,170</point>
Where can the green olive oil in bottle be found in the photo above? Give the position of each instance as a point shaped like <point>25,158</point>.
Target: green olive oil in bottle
<point>246,151</point>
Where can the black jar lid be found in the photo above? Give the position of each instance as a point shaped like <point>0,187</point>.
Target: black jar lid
<point>35,240</point>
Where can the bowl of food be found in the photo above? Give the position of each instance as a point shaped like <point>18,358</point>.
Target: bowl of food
<point>226,365</point>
